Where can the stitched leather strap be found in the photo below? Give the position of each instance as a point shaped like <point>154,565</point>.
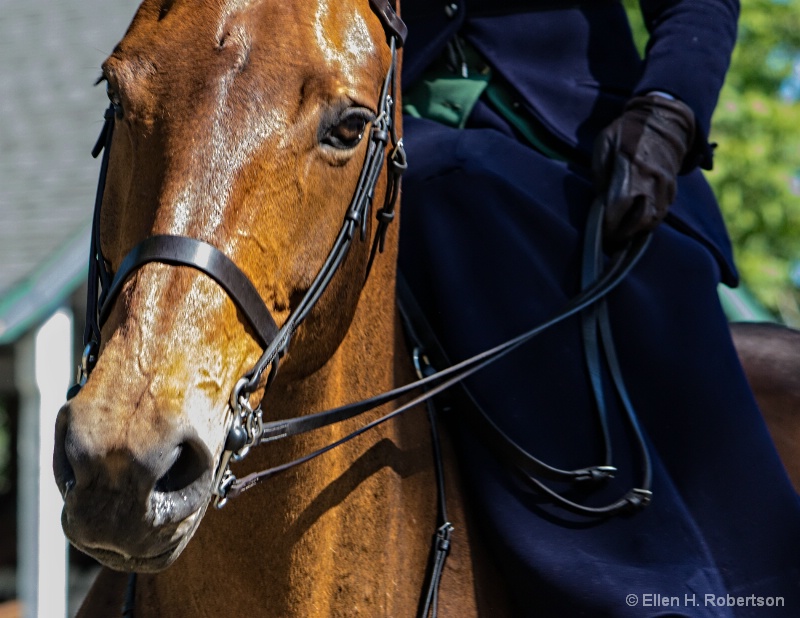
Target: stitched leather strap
<point>179,250</point>
<point>392,24</point>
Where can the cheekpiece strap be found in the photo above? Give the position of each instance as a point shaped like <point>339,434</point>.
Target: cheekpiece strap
<point>394,26</point>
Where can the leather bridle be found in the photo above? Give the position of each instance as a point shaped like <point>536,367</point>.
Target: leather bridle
<point>247,427</point>
<point>103,287</point>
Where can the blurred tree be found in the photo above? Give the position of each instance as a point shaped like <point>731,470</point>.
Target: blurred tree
<point>756,172</point>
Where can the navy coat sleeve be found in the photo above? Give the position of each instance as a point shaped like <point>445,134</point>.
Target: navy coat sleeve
<point>688,54</point>
<point>689,51</point>
<point>573,65</point>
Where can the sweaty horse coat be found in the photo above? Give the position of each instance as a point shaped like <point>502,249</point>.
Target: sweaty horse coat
<point>491,242</point>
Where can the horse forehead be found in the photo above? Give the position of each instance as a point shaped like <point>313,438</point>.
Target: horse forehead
<point>344,40</point>
<point>223,77</point>
<point>329,34</point>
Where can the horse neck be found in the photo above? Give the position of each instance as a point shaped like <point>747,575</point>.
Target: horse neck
<point>344,534</point>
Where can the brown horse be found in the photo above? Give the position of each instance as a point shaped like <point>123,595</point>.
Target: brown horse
<point>770,355</point>
<point>242,124</point>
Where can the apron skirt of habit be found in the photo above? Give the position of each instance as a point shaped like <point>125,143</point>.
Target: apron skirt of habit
<point>490,244</point>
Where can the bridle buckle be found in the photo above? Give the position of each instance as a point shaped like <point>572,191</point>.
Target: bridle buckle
<point>88,361</point>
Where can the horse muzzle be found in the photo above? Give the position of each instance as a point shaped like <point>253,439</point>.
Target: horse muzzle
<point>130,509</point>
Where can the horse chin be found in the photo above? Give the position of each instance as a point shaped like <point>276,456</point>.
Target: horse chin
<point>134,564</point>
<point>164,550</point>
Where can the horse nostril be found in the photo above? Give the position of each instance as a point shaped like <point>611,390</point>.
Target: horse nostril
<point>63,472</point>
<point>62,468</point>
<point>188,467</point>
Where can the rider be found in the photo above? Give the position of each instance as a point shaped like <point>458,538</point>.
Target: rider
<point>518,115</point>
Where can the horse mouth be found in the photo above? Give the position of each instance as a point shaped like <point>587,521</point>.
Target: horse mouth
<point>119,561</point>
<point>156,551</point>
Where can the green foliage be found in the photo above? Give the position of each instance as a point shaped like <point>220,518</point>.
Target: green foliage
<point>758,163</point>
<point>756,172</point>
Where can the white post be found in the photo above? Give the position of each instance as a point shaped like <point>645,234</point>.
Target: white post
<point>44,364</point>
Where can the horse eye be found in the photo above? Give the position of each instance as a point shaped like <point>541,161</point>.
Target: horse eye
<point>348,130</point>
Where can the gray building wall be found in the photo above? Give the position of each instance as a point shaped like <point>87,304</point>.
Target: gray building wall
<point>50,114</point>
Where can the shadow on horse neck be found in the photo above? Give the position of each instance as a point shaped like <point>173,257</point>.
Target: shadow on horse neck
<point>243,126</point>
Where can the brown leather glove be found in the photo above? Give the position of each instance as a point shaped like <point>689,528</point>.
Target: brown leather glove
<point>636,161</point>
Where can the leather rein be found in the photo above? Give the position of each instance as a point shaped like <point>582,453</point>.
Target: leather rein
<point>247,427</point>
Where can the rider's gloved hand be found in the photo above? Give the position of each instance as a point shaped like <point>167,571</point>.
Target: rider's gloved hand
<point>636,162</point>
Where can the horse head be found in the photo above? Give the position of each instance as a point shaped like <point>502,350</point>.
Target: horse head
<point>243,125</point>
